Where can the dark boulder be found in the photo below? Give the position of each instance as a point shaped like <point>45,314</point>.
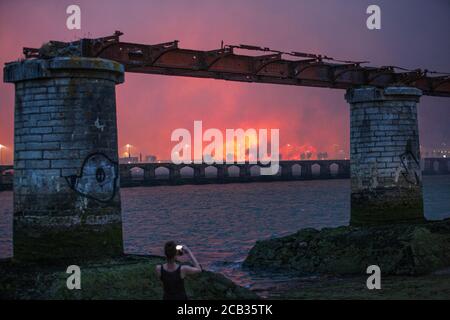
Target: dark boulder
<point>402,249</point>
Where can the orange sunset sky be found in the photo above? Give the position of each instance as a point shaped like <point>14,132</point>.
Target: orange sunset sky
<point>414,34</point>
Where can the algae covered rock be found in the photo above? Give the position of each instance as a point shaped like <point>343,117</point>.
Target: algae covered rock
<point>127,277</point>
<point>403,249</point>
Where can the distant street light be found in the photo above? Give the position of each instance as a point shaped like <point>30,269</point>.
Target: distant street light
<point>128,150</point>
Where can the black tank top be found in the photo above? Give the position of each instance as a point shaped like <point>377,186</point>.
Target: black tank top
<point>173,284</point>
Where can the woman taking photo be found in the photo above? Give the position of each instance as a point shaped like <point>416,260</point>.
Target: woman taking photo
<point>172,274</point>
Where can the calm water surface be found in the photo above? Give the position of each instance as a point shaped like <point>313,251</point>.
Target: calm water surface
<point>222,222</point>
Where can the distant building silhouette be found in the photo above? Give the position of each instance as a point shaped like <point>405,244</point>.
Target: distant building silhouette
<point>128,160</point>
<point>322,155</point>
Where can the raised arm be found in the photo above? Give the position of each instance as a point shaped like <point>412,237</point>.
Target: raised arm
<point>197,268</point>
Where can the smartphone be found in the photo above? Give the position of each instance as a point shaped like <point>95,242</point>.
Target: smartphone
<point>179,249</point>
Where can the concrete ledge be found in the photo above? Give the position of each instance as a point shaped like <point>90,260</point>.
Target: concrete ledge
<point>408,91</point>
<point>55,68</point>
<point>371,94</point>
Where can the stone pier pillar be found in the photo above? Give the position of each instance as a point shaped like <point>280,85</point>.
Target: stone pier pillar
<point>386,180</point>
<point>325,171</point>
<point>149,172</point>
<point>243,170</point>
<point>66,179</point>
<point>220,171</point>
<point>174,173</point>
<point>306,172</point>
<point>199,172</point>
<point>345,170</point>
<point>226,171</point>
<point>286,171</point>
<point>125,173</point>
<point>247,168</point>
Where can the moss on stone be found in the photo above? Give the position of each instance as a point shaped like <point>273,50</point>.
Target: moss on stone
<point>402,249</point>
<point>385,206</point>
<point>127,277</point>
<point>80,241</point>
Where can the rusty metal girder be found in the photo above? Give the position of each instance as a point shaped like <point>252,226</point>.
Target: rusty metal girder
<point>224,63</point>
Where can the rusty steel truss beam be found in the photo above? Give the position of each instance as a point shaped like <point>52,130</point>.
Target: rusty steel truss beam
<point>303,69</point>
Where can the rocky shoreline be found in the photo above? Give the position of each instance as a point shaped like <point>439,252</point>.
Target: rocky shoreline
<point>327,287</point>
<point>331,263</point>
<point>401,249</point>
<point>127,277</point>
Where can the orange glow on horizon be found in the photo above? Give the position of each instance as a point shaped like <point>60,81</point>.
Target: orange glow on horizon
<point>150,107</point>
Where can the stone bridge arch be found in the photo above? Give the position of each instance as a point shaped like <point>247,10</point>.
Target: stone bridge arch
<point>137,173</point>
<point>211,172</point>
<point>255,170</point>
<point>162,172</point>
<point>187,172</point>
<point>233,171</point>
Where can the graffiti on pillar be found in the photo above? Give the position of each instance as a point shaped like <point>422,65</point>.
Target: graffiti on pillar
<point>410,166</point>
<point>373,177</point>
<point>97,179</point>
<point>98,125</point>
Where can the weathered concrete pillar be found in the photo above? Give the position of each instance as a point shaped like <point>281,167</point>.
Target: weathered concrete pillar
<point>174,173</point>
<point>226,171</point>
<point>306,172</point>
<point>386,180</point>
<point>244,170</point>
<point>427,166</point>
<point>220,171</point>
<point>344,169</point>
<point>199,172</point>
<point>125,173</point>
<point>286,171</point>
<point>325,171</point>
<point>149,172</point>
<point>66,179</point>
<point>442,166</point>
<point>248,170</point>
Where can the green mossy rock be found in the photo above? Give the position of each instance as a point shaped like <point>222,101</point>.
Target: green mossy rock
<point>127,277</point>
<point>401,249</point>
